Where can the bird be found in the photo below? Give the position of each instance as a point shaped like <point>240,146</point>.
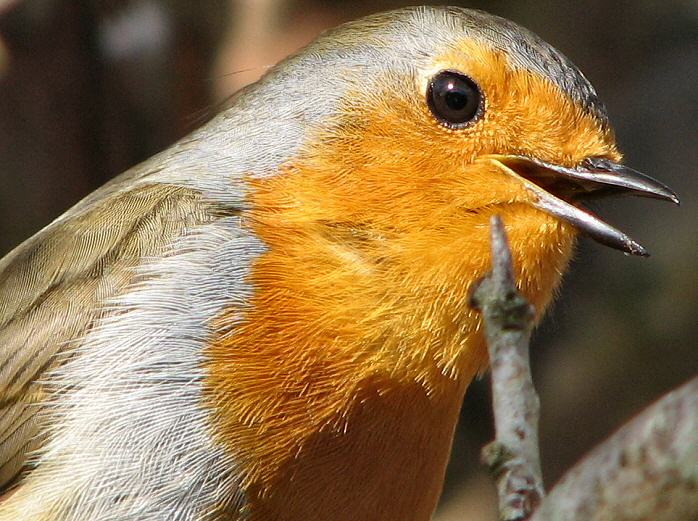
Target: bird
<point>268,320</point>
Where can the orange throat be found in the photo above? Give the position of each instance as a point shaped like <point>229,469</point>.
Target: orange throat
<point>358,344</point>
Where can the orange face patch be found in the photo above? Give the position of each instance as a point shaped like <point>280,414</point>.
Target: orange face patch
<point>375,234</point>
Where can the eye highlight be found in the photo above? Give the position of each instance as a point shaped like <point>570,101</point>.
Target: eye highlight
<point>454,99</point>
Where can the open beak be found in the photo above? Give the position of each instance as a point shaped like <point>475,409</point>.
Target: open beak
<point>559,190</point>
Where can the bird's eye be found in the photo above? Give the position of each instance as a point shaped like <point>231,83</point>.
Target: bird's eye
<point>454,99</point>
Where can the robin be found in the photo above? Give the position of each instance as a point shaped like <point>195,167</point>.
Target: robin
<point>268,320</point>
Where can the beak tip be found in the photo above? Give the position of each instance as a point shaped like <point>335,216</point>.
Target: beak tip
<point>667,194</point>
<point>633,248</point>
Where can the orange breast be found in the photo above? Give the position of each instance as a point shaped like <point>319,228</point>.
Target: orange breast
<point>384,460</point>
<point>338,393</point>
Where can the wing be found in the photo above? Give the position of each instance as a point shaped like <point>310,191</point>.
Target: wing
<point>53,286</point>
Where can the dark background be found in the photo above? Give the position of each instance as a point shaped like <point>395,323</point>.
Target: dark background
<point>89,88</point>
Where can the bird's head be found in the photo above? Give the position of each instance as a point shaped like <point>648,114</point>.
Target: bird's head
<point>418,125</point>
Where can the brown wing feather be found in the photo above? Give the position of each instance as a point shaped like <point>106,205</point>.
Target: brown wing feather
<point>52,290</point>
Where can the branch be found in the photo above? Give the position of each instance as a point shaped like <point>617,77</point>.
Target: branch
<point>513,458</point>
<point>648,470</point>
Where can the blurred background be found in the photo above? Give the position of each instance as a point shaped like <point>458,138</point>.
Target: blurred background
<point>90,88</point>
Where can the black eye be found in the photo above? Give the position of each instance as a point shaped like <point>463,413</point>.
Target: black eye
<point>454,99</point>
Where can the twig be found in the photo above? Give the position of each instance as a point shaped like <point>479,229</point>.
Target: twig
<point>648,470</point>
<point>513,458</point>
